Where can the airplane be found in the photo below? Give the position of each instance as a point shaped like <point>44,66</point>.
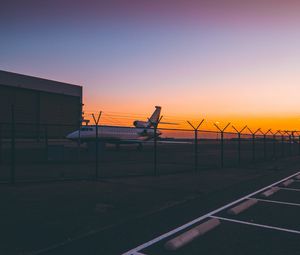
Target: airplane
<point>141,132</point>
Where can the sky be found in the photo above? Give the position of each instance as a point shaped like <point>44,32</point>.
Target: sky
<point>225,61</point>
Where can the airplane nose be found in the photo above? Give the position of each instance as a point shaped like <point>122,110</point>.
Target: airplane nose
<point>70,136</point>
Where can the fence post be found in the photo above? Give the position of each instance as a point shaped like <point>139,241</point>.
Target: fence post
<point>155,125</point>
<point>239,142</point>
<point>97,144</point>
<point>1,152</point>
<point>222,149</point>
<point>290,141</point>
<point>155,150</point>
<point>222,142</point>
<point>97,158</point>
<point>253,147</point>
<point>13,144</point>
<point>274,143</point>
<point>79,141</point>
<point>38,130</point>
<point>274,146</point>
<point>299,144</point>
<point>196,149</point>
<point>295,139</point>
<point>196,144</point>
<point>282,143</point>
<point>265,147</point>
<point>265,143</point>
<point>290,147</point>
<point>46,142</point>
<point>253,142</point>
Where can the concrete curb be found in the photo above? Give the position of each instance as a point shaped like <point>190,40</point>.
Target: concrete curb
<point>188,236</point>
<point>242,207</point>
<point>287,183</point>
<point>269,192</point>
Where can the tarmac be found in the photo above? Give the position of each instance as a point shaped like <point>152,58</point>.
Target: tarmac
<point>114,216</point>
<point>270,226</point>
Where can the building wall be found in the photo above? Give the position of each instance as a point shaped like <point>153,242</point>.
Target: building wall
<point>35,106</point>
<point>34,109</point>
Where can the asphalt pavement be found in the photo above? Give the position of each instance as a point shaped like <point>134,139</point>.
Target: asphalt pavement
<point>268,227</point>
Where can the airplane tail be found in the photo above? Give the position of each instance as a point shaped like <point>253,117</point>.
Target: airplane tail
<point>153,119</point>
<point>155,116</point>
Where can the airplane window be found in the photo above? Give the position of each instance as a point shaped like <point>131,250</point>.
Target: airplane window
<point>86,129</point>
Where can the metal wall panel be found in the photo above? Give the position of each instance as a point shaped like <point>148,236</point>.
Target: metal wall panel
<point>38,109</point>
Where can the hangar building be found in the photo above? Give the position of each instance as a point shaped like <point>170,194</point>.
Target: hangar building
<point>39,102</point>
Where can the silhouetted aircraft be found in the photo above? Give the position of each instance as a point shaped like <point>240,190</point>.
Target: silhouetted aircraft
<point>141,132</point>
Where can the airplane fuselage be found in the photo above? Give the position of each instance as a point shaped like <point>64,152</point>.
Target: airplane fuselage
<point>113,134</point>
<point>142,131</point>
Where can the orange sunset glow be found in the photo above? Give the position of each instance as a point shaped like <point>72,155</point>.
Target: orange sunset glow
<point>231,62</point>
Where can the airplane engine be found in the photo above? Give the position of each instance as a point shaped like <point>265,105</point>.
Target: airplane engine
<point>140,124</point>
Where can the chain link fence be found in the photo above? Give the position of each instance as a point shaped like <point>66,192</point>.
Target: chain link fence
<point>42,153</point>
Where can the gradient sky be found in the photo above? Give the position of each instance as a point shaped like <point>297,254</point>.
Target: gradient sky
<point>221,60</point>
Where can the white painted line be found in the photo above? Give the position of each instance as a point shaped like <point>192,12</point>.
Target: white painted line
<point>287,183</point>
<point>270,192</point>
<point>190,235</point>
<point>138,253</point>
<point>242,207</point>
<point>174,231</point>
<point>278,202</point>
<point>257,225</point>
<point>291,189</point>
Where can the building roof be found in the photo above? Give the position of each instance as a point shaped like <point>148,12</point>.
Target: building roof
<point>39,84</point>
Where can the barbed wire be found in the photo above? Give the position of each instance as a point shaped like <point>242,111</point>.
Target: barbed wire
<point>127,119</point>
